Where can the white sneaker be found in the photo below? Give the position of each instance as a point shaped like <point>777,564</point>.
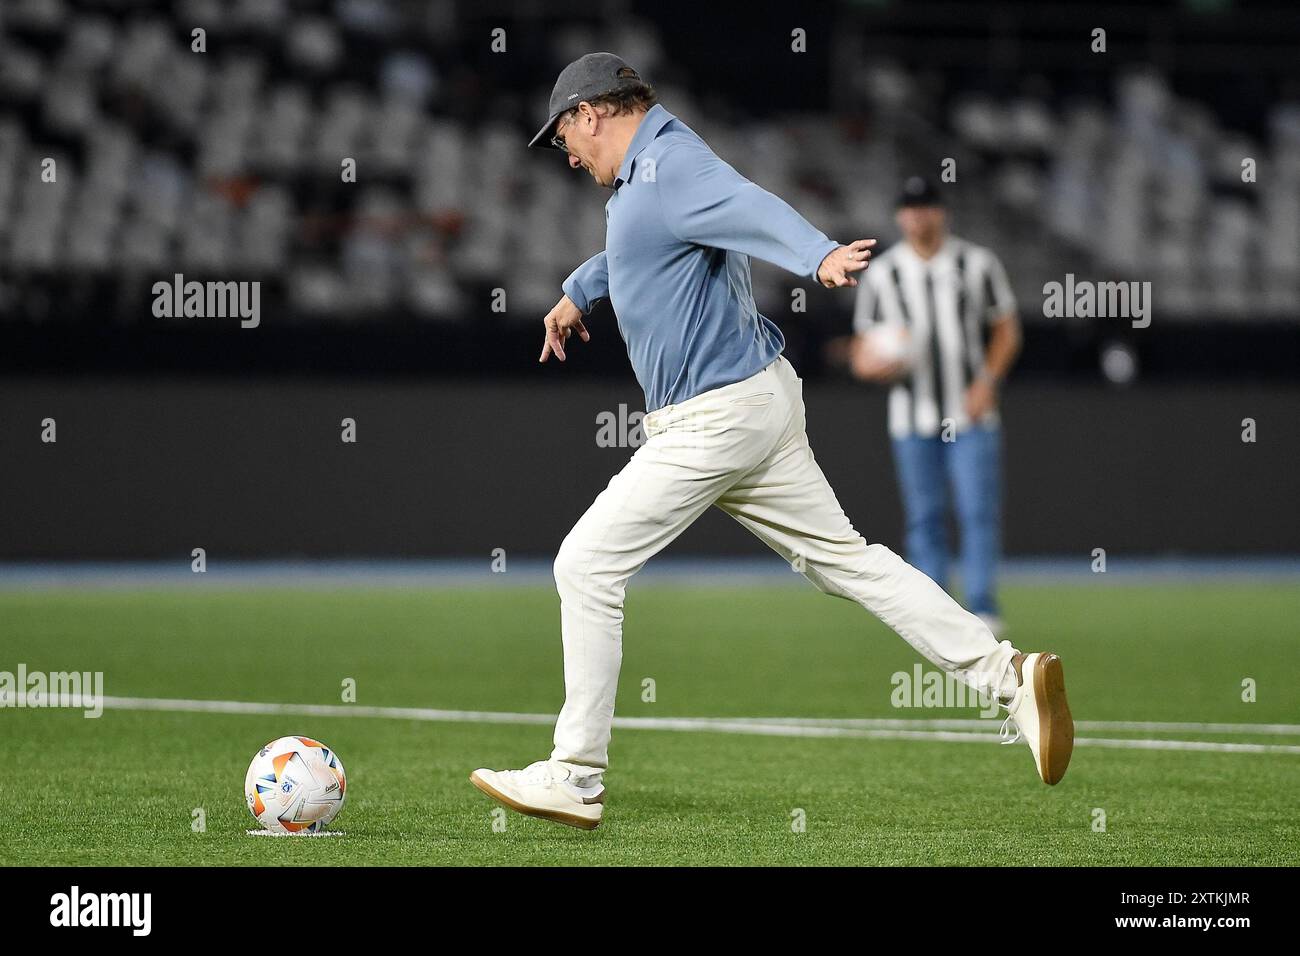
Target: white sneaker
<point>994,624</point>
<point>1041,716</point>
<point>544,790</point>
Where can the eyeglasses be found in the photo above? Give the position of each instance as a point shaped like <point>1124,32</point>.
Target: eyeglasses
<point>556,141</point>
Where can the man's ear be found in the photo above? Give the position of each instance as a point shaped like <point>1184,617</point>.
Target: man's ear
<point>590,115</point>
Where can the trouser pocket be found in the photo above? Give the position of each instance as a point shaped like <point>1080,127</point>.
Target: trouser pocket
<point>758,398</point>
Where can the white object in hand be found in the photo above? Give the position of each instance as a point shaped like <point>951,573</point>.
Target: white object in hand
<point>891,343</point>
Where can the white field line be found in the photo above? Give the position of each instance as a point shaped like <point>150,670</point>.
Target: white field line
<point>948,731</point>
<point>1150,726</point>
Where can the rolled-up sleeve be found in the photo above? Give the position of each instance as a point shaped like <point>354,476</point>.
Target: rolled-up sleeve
<point>589,283</point>
<point>705,201</point>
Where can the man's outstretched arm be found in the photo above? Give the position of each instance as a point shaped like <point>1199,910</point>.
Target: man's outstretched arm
<point>705,201</point>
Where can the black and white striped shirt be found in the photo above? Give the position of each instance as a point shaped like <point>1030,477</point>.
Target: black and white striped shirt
<point>946,303</point>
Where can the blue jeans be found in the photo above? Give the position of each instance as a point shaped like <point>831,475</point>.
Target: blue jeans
<point>972,465</point>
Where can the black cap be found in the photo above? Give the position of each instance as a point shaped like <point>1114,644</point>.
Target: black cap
<point>919,191</point>
<point>585,78</point>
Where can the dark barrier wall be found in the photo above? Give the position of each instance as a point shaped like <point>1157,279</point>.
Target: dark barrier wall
<point>240,468</point>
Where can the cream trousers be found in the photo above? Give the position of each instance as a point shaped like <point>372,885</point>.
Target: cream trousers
<point>743,448</point>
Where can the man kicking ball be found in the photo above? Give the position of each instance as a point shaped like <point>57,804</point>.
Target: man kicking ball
<point>725,427</point>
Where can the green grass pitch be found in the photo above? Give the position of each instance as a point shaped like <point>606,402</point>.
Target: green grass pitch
<point>122,789</point>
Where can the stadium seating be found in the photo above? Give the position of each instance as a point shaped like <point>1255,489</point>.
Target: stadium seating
<point>227,162</point>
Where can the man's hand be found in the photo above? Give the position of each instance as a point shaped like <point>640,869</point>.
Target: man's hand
<point>981,397</point>
<point>561,322</point>
<point>837,268</point>
<point>869,366</point>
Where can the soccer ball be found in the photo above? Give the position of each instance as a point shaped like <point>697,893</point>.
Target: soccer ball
<point>295,785</point>
<point>891,343</point>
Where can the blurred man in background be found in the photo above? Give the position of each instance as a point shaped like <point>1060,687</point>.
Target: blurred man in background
<point>937,319</point>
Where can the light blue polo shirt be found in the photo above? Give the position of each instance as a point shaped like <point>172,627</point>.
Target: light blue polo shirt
<point>679,231</point>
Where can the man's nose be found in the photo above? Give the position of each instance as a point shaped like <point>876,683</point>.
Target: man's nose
<point>574,161</point>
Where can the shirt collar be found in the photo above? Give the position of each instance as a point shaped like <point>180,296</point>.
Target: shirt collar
<point>940,257</point>
<point>653,121</point>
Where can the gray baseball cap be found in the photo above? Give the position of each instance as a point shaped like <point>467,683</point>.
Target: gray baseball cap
<point>585,78</point>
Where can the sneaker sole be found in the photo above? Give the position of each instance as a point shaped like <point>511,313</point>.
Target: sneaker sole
<point>1056,726</point>
<point>555,816</point>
